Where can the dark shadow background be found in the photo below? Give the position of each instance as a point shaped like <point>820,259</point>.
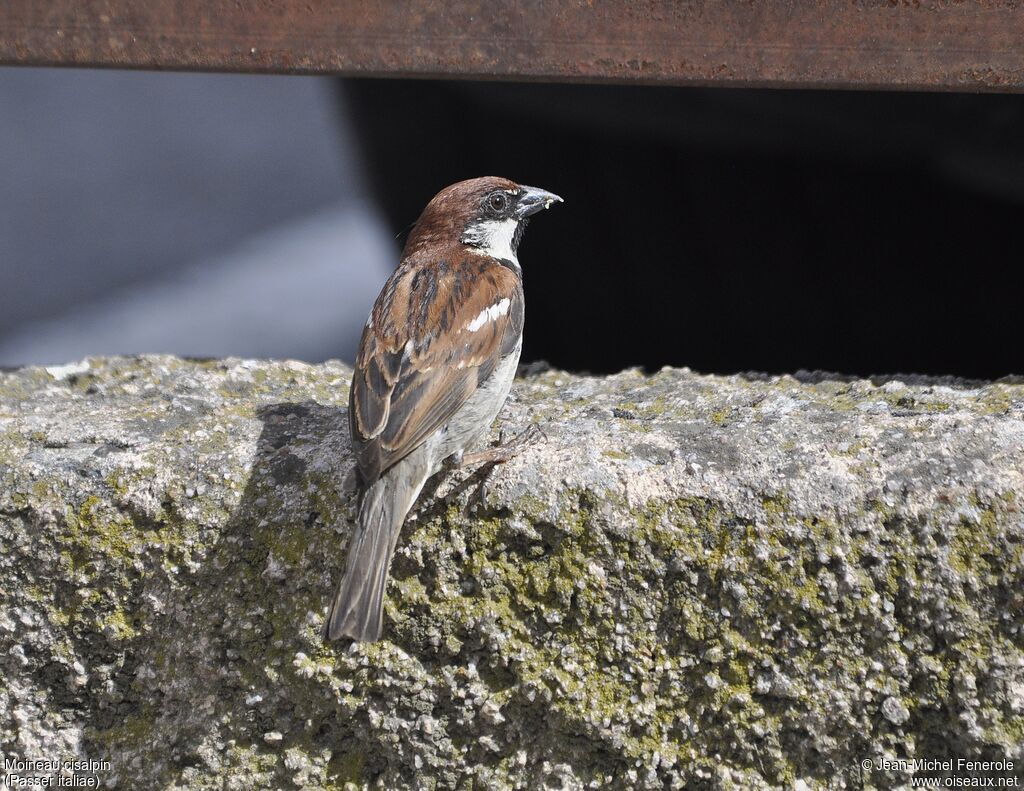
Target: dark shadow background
<point>735,230</point>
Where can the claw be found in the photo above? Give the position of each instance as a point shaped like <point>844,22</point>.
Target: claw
<point>504,451</point>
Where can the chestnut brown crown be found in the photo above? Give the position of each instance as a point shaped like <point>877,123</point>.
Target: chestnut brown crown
<point>462,212</point>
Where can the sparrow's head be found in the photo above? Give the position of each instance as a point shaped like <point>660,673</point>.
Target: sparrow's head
<point>487,215</point>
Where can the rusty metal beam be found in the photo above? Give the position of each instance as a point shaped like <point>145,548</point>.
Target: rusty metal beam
<point>913,44</point>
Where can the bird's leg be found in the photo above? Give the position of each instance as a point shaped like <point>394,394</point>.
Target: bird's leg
<point>453,462</point>
<point>486,459</point>
<point>499,454</point>
<point>503,451</point>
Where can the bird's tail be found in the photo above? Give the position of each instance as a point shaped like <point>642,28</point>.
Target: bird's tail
<point>358,608</point>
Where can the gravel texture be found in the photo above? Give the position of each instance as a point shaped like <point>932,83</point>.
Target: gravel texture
<point>740,582</point>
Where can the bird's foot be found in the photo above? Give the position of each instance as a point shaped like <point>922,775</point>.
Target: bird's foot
<point>504,451</point>
<point>500,453</point>
<point>486,460</point>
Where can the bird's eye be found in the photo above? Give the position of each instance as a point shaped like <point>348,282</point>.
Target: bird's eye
<point>498,201</point>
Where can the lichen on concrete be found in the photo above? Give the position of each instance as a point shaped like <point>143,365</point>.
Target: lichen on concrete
<point>692,582</point>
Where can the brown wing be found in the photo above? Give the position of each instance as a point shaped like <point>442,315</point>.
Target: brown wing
<point>435,334</point>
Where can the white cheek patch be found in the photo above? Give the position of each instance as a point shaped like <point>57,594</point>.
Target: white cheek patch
<point>489,314</point>
<point>494,238</point>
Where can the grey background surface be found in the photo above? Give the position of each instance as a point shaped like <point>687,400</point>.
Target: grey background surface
<point>196,214</point>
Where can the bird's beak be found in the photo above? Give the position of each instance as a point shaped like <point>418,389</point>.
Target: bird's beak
<point>533,199</point>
